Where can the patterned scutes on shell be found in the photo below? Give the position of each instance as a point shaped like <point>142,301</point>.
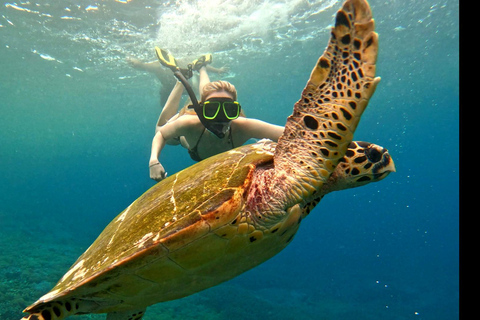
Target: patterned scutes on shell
<point>174,204</point>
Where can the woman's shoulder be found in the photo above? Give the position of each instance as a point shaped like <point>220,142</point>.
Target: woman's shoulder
<point>243,123</point>
<point>187,124</point>
<point>242,129</point>
<point>186,119</point>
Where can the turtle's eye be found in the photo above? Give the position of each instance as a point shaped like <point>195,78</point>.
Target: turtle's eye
<point>373,154</point>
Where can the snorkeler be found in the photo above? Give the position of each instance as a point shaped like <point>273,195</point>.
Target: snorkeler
<point>211,126</point>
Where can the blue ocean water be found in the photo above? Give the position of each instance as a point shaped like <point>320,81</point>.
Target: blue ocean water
<point>77,123</point>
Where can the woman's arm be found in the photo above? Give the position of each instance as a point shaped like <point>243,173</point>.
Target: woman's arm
<point>257,129</point>
<point>157,172</point>
<point>171,130</point>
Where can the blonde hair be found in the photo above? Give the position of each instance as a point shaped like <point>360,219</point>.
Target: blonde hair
<point>209,89</point>
<point>216,86</point>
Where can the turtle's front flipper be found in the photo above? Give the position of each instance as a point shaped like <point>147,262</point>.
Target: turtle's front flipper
<point>126,315</point>
<point>321,127</point>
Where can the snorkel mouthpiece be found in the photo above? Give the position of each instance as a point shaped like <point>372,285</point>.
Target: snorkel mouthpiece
<point>218,128</point>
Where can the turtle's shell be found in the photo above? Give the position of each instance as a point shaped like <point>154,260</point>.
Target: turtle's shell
<point>183,235</point>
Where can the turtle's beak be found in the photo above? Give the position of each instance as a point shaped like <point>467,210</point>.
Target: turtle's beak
<point>384,166</point>
<point>391,165</point>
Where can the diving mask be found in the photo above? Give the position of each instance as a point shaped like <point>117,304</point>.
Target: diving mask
<point>221,109</point>
<point>216,114</point>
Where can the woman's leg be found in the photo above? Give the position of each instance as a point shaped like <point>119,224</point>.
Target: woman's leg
<point>171,106</point>
<point>204,79</point>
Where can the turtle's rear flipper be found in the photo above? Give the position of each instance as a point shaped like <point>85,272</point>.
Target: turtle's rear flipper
<point>166,59</point>
<point>57,310</point>
<point>126,315</point>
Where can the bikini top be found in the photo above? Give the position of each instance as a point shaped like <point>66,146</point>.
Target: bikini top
<point>193,152</point>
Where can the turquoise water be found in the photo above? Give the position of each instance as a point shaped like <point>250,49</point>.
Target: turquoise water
<point>77,123</point>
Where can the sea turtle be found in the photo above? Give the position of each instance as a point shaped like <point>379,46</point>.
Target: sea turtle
<point>231,212</point>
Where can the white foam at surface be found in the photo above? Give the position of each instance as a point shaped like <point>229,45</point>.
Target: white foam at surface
<point>193,27</point>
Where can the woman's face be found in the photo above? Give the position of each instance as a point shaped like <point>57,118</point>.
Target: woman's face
<point>218,128</point>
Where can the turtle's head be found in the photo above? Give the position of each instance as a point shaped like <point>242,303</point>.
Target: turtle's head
<point>363,163</point>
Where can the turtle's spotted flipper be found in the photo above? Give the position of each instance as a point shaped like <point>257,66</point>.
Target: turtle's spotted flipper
<point>55,310</point>
<point>321,127</point>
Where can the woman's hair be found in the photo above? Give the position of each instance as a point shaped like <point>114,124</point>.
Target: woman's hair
<point>208,90</point>
<point>215,86</point>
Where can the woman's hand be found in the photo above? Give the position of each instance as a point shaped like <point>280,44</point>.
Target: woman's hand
<point>223,70</point>
<point>157,172</point>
